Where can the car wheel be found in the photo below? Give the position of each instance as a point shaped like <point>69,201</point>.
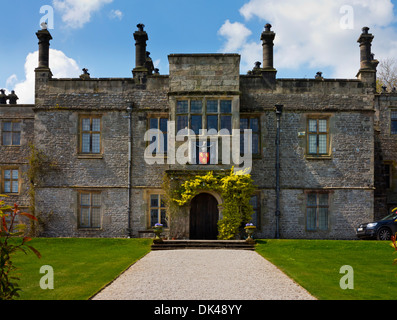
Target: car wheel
<point>384,234</point>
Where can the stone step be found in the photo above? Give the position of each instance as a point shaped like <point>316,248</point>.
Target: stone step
<point>203,244</point>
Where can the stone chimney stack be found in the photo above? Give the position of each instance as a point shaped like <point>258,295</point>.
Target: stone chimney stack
<point>365,41</point>
<point>43,72</point>
<point>140,36</point>
<point>267,38</point>
<point>44,37</point>
<point>368,64</point>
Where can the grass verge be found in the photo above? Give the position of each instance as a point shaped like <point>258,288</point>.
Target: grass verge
<point>81,266</point>
<point>315,265</point>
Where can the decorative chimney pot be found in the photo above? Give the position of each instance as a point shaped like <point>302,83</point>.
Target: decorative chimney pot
<point>12,97</point>
<point>3,97</point>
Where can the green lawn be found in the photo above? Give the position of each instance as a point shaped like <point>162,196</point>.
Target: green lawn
<point>315,265</point>
<point>81,266</point>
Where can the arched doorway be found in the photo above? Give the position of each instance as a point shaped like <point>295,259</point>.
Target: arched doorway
<point>204,216</point>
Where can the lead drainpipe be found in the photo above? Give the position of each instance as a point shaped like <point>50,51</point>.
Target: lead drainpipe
<point>129,117</point>
<point>279,111</point>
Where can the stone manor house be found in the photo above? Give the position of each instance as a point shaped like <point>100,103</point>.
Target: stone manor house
<point>337,151</point>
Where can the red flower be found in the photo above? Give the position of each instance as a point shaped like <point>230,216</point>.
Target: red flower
<point>393,239</point>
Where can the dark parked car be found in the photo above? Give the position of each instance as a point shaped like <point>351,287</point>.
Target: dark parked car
<point>381,230</point>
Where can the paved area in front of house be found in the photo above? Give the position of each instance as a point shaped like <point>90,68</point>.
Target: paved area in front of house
<point>199,274</point>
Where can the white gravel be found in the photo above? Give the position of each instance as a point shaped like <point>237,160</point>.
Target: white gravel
<point>196,274</point>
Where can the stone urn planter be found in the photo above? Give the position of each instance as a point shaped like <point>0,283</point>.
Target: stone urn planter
<point>250,229</point>
<point>158,229</point>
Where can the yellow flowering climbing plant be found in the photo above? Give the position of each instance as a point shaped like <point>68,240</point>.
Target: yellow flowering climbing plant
<point>236,189</point>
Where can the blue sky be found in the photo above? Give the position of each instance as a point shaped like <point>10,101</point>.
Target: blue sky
<point>312,35</point>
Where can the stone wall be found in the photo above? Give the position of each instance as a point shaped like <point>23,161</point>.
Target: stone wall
<point>386,153</point>
<point>351,141</point>
<point>60,205</point>
<point>57,134</point>
<point>204,72</point>
<point>347,173</point>
<point>17,156</point>
<point>349,208</point>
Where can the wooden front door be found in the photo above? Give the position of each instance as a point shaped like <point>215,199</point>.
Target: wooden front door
<point>204,216</point>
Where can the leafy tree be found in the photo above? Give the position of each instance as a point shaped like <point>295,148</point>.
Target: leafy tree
<point>387,75</point>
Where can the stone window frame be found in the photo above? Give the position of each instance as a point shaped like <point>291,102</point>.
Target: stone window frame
<point>3,180</point>
<point>393,112</point>
<point>90,206</point>
<point>258,210</point>
<point>12,132</point>
<point>90,154</point>
<point>204,114</point>
<point>204,122</point>
<point>318,155</point>
<point>160,195</point>
<point>387,174</point>
<point>159,117</point>
<point>318,206</point>
<point>259,132</point>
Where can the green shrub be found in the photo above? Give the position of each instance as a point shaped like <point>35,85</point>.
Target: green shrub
<point>8,230</point>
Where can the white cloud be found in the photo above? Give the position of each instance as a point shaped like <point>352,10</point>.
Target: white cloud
<point>76,13</point>
<point>116,14</point>
<point>309,33</point>
<point>236,35</point>
<point>61,67</point>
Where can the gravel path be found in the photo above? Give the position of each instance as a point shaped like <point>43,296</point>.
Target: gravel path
<point>195,274</point>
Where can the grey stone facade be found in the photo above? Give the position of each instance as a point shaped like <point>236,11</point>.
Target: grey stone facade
<point>15,152</point>
<point>100,184</point>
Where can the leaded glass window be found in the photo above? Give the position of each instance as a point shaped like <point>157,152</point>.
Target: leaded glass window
<point>247,122</point>
<point>11,133</point>
<point>317,208</point>
<point>318,137</point>
<point>157,210</point>
<point>90,135</point>
<point>254,202</point>
<point>161,139</point>
<point>90,210</point>
<point>393,129</point>
<point>204,114</point>
<point>11,181</point>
